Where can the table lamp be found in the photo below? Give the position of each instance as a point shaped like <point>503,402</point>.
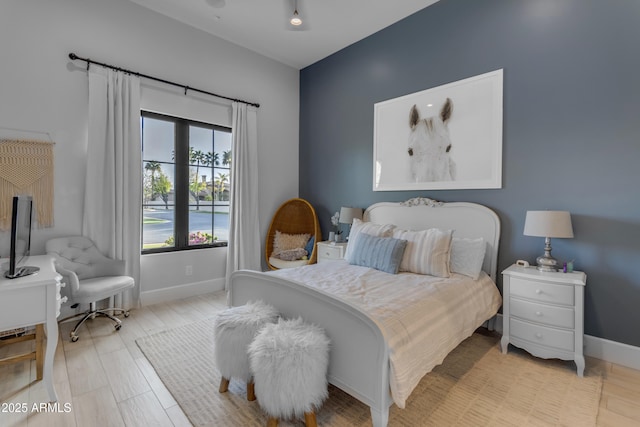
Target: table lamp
<point>548,224</point>
<point>347,215</point>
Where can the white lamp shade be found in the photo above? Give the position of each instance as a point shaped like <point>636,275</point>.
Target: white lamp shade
<point>548,224</point>
<point>347,215</point>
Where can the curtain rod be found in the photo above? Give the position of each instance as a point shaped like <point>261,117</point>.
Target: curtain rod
<point>74,57</point>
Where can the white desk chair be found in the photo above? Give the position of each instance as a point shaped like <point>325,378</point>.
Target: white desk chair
<point>91,277</point>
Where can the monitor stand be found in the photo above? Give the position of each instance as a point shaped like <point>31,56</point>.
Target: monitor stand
<point>22,271</point>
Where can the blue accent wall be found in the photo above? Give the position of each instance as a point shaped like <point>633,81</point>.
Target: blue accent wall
<point>571,128</point>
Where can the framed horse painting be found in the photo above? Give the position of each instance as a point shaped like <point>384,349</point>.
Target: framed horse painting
<point>446,137</point>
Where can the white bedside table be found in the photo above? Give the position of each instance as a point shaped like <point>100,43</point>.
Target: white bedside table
<point>331,251</point>
<point>543,313</point>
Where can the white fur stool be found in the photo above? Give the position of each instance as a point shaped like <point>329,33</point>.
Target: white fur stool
<point>234,330</point>
<point>289,360</point>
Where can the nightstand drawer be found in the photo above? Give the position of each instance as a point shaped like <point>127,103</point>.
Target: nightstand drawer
<point>329,252</point>
<point>544,292</point>
<point>563,317</point>
<point>542,335</point>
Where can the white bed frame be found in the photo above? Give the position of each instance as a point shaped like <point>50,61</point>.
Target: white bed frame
<point>359,357</point>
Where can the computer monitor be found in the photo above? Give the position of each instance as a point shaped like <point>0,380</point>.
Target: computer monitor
<point>21,215</point>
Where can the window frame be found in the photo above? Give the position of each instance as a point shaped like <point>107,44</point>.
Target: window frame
<point>181,182</point>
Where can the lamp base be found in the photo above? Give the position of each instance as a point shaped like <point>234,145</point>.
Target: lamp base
<point>547,263</point>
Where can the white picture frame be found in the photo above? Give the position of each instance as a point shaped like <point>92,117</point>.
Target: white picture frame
<point>410,146</point>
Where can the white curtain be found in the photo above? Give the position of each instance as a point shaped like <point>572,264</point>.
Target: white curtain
<point>244,231</point>
<point>113,200</point>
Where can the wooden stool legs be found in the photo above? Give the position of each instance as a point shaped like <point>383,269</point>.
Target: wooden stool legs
<point>224,385</point>
<point>309,417</point>
<point>251,391</point>
<point>309,420</point>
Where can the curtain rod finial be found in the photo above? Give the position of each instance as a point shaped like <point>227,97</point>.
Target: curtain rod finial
<point>73,56</point>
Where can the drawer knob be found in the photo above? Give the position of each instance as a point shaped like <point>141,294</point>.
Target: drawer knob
<point>538,291</point>
<point>538,313</point>
<point>538,335</point>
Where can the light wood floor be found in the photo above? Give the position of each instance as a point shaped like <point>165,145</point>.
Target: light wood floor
<point>104,380</point>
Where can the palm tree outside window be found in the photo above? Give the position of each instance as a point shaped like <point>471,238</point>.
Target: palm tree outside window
<point>186,183</point>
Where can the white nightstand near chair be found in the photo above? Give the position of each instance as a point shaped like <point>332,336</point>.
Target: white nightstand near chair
<point>234,330</point>
<point>331,251</point>
<point>91,277</point>
<point>289,361</point>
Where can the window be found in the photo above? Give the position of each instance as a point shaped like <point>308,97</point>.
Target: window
<point>186,178</point>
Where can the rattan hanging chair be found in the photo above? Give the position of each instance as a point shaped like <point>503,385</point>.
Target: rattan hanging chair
<point>295,216</point>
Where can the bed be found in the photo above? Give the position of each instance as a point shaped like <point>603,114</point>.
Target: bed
<point>387,331</point>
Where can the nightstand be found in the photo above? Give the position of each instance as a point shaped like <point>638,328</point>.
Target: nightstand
<point>543,313</point>
<point>331,251</point>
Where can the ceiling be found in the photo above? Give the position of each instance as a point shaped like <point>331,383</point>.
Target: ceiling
<point>263,25</point>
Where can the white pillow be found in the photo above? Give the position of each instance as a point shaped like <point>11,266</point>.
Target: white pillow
<point>427,251</point>
<point>467,256</point>
<point>358,226</point>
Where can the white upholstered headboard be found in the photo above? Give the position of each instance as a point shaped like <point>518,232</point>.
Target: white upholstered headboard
<point>468,220</point>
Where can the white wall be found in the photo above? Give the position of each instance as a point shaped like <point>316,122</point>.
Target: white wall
<point>41,89</point>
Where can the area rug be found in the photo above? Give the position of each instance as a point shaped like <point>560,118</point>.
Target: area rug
<point>476,385</point>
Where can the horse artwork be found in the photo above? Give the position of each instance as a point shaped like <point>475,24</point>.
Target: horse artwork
<point>430,146</point>
<point>440,149</point>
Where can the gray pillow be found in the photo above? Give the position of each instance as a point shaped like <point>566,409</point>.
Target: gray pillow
<point>467,256</point>
<point>381,253</point>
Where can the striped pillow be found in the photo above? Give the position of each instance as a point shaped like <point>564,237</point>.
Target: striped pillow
<point>381,253</point>
<point>427,251</point>
<point>358,226</point>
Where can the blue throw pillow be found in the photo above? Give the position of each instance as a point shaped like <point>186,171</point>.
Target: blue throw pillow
<point>309,247</point>
<point>381,253</point>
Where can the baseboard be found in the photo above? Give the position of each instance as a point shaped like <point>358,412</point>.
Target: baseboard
<point>603,349</point>
<point>173,293</point>
<point>612,351</point>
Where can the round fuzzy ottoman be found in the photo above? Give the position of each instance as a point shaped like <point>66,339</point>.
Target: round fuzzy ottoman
<point>289,360</point>
<point>234,330</point>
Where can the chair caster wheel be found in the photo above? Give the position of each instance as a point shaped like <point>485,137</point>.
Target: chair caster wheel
<point>74,338</point>
<point>126,314</point>
<point>118,326</point>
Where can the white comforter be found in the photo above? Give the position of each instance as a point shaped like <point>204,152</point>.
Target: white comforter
<point>421,317</point>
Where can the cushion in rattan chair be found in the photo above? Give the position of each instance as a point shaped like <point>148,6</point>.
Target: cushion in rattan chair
<point>295,216</point>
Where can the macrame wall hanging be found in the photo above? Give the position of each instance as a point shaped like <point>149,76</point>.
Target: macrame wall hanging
<point>26,168</point>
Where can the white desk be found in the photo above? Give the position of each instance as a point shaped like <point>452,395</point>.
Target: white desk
<point>34,300</point>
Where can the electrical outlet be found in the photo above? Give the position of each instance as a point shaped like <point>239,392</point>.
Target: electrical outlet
<point>188,270</point>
